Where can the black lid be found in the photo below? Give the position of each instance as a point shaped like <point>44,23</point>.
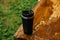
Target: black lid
<point>27,13</point>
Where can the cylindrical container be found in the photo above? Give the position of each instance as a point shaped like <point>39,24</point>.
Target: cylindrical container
<point>27,20</point>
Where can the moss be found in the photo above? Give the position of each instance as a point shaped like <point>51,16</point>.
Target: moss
<point>10,16</point>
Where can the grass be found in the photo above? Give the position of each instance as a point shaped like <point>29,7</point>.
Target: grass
<point>10,16</point>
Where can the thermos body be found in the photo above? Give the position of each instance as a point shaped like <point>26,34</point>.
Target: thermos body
<point>27,20</point>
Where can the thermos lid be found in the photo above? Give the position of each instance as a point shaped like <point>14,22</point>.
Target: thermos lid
<point>27,13</point>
